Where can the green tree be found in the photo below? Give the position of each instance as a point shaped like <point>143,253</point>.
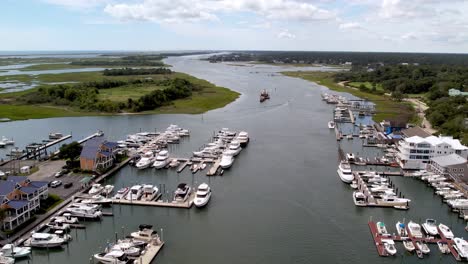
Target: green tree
<point>70,151</point>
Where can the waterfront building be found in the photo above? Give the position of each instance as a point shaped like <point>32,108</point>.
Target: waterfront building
<point>456,92</point>
<point>452,165</point>
<point>97,154</point>
<point>415,152</point>
<point>20,198</point>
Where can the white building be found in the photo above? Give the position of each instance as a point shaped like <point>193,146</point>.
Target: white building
<point>415,152</point>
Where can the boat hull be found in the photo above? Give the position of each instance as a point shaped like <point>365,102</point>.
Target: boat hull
<point>344,178</point>
<point>199,203</point>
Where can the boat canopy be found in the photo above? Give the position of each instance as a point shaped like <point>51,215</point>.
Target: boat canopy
<point>145,226</point>
<point>402,225</point>
<point>41,236</point>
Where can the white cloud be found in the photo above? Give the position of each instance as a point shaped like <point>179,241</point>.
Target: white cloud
<point>195,10</point>
<point>409,36</point>
<point>285,34</point>
<point>350,25</point>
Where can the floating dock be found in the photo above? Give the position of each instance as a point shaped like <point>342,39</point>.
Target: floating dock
<point>428,240</point>
<point>212,171</point>
<point>159,203</point>
<point>150,253</point>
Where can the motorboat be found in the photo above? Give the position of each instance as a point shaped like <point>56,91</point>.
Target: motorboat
<point>149,192</point>
<point>121,193</point>
<point>419,253</point>
<point>331,124</point>
<point>462,247</point>
<point>45,240</point>
<point>381,228</point>
<point>162,159</point>
<point>84,212</point>
<point>10,250</point>
<point>443,247</point>
<point>58,225</point>
<point>86,206</point>
<point>96,189</point>
<point>112,257</point>
<point>127,248</point>
<point>243,138</point>
<point>7,141</point>
<point>96,199</point>
<point>146,160</point>
<point>409,246</point>
<point>359,198</point>
<point>203,195</point>
<point>6,260</point>
<point>391,200</point>
<point>66,218</point>
<point>350,136</point>
<point>174,163</point>
<point>401,229</point>
<point>377,179</point>
<point>234,148</point>
<point>415,229</point>
<point>354,185</point>
<point>458,203</point>
<point>226,160</point>
<point>55,135</point>
<point>145,233</point>
<point>430,227</point>
<point>345,173</point>
<point>350,157</point>
<point>423,247</point>
<point>205,153</point>
<point>107,190</point>
<point>135,193</point>
<point>178,130</point>
<point>446,232</point>
<point>389,246</point>
<point>182,192</point>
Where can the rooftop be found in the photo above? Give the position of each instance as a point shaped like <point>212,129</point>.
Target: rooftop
<point>452,159</point>
<point>434,141</point>
<point>415,131</point>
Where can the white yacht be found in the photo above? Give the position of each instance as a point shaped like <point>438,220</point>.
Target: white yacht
<point>359,199</point>
<point>112,257</point>
<point>391,200</point>
<point>146,160</point>
<point>162,159</point>
<point>45,240</point>
<point>381,228</point>
<point>203,195</point>
<point>401,229</point>
<point>8,141</point>
<point>182,192</point>
<point>149,192</point>
<point>345,173</point>
<point>458,203</point>
<point>430,227</point>
<point>127,248</point>
<point>107,190</point>
<point>445,230</point>
<point>96,189</point>
<point>135,193</point>
<point>65,218</point>
<point>145,233</point>
<point>389,246</point>
<point>121,193</point>
<point>226,160</point>
<point>85,212</point>
<point>408,244</point>
<point>243,138</point>
<point>423,247</point>
<point>234,148</point>
<point>205,153</point>
<point>10,250</point>
<point>331,124</point>
<point>462,247</point>
<point>415,229</point>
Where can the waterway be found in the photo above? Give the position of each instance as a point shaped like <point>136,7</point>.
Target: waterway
<point>281,202</point>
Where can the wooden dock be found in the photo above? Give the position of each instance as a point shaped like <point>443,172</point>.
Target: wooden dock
<point>182,166</point>
<point>159,203</point>
<point>428,240</point>
<point>212,171</point>
<point>150,253</point>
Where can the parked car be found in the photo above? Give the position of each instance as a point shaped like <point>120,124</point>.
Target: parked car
<point>68,185</point>
<point>55,184</point>
<point>61,173</point>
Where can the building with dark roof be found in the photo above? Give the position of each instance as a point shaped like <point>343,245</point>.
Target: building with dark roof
<point>20,198</point>
<point>414,131</point>
<point>452,165</point>
<point>97,154</point>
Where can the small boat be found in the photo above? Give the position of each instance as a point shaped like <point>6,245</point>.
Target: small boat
<point>149,192</point>
<point>401,229</point>
<point>243,138</point>
<point>331,124</point>
<point>234,148</point>
<point>443,247</point>
<point>162,159</point>
<point>350,136</point>
<point>409,246</point>
<point>127,248</point>
<point>107,190</point>
<point>58,225</point>
<point>445,231</point>
<point>96,189</point>
<point>55,135</point>
<point>135,193</point>
<point>264,96</point>
<point>6,260</point>
<point>359,199</point>
<point>462,247</point>
<point>121,193</point>
<point>112,257</point>
<point>65,218</point>
<point>415,229</point>
<point>145,233</point>
<point>182,192</point>
<point>145,161</point>
<point>203,195</point>
<point>419,253</point>
<point>389,246</point>
<point>7,141</point>
<point>381,228</point>
<point>390,200</point>
<point>226,160</point>
<point>10,250</point>
<point>85,212</point>
<point>423,247</point>
<point>354,185</point>
<point>203,166</point>
<point>174,163</point>
<point>345,173</point>
<point>430,227</point>
<point>45,240</point>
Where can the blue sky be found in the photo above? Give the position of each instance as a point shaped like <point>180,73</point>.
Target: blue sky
<point>351,25</point>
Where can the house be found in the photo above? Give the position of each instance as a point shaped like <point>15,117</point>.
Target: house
<point>415,152</point>
<point>20,198</point>
<point>97,154</point>
<point>456,92</point>
<point>452,165</point>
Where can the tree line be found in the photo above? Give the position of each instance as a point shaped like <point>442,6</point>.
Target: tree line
<point>139,71</point>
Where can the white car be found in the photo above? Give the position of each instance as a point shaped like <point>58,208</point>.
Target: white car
<point>55,184</point>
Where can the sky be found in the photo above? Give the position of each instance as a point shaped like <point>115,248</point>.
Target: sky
<point>316,25</point>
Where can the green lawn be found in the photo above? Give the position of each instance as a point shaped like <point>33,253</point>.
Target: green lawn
<point>22,112</point>
<point>122,94</point>
<point>368,85</point>
<point>385,106</point>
